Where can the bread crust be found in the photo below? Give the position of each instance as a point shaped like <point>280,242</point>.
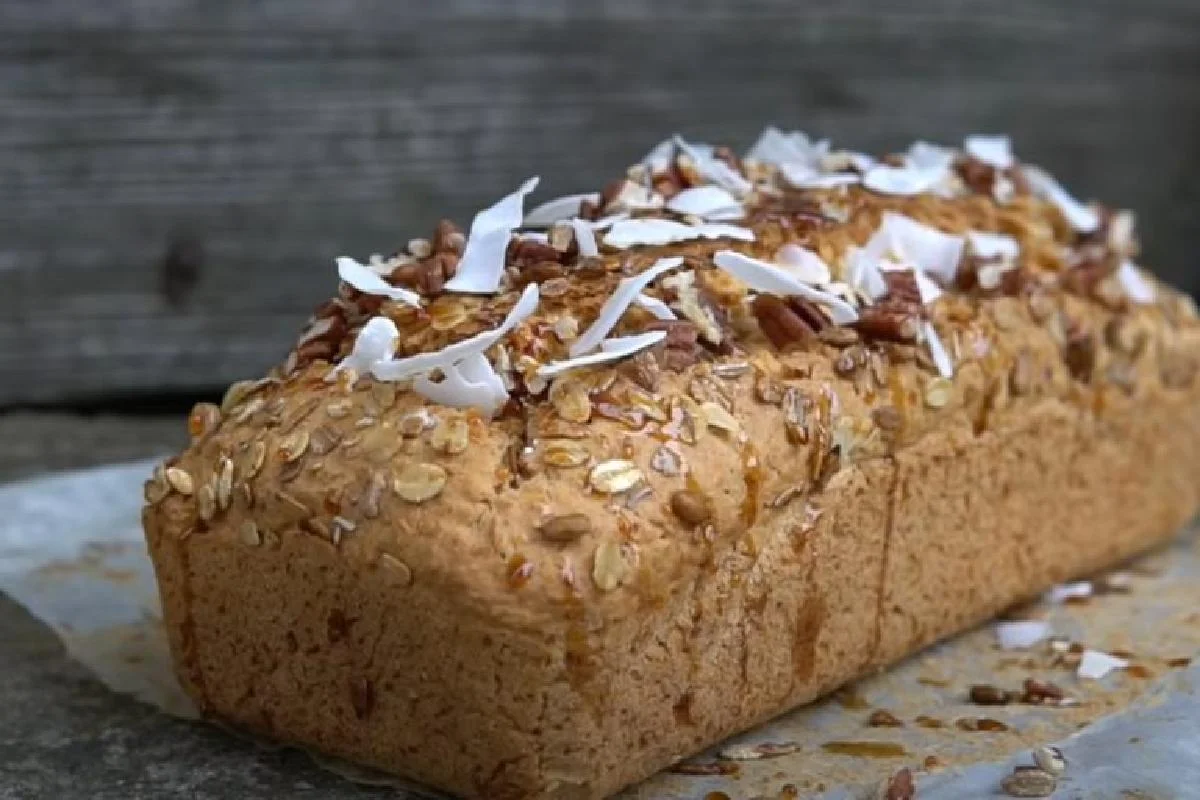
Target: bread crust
<point>347,572</point>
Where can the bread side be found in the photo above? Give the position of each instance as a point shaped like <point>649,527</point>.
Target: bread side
<point>630,562</point>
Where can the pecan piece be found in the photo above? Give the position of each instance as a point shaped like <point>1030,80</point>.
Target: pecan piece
<point>779,322</point>
<point>890,321</point>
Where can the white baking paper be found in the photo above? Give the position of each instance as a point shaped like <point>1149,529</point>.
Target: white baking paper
<point>71,551</point>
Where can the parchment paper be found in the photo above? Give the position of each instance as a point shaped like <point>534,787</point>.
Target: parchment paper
<point>71,551</point>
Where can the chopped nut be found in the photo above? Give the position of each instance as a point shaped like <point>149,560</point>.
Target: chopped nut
<point>887,418</point>
<point>1079,353</point>
<point>338,409</point>
<point>400,572</point>
<point>838,336</point>
<point>882,718</point>
<point>779,323</point>
<point>610,566</point>
<point>384,394</point>
<point>415,423</point>
<point>565,527</point>
<point>451,436</point>
<point>248,532</point>
<point>1029,783</point>
<point>938,392</point>
<point>900,786</point>
<point>417,482</point>
<point>447,313</point>
<point>666,460</point>
<point>1021,378</point>
<point>731,370</point>
<point>987,695</point>
<point>570,399</point>
<point>718,417</point>
<point>1050,759</point>
<point>565,453</point>
<point>420,248</point>
<point>179,480</point>
<point>203,420</point>
<point>293,446</point>
<point>614,476</point>
<point>690,507</point>
<point>795,415</point>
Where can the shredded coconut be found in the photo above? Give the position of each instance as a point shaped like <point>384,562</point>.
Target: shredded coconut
<point>1021,634</point>
<point>995,151</point>
<point>1135,285</point>
<point>1094,664</point>
<point>585,238</point>
<point>710,203</point>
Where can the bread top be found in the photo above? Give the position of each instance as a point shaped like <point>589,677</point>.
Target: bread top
<point>830,311</point>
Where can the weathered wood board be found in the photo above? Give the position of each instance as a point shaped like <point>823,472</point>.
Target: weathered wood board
<point>175,177</point>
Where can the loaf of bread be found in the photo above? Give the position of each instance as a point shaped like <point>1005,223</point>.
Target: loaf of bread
<point>535,510</point>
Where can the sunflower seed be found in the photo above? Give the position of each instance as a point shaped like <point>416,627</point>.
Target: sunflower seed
<point>718,417</point>
<point>416,422</point>
<point>236,393</point>
<point>565,527</point>
<point>1050,759</point>
<point>338,409</point>
<point>373,494</point>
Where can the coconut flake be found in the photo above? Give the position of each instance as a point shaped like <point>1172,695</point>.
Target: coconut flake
<point>941,359</point>
<point>376,342</point>
<point>900,180</point>
<point>905,240</point>
<point>993,245</point>
<point>541,237</point>
<point>610,350</point>
<point>585,238</point>
<point>803,176</point>
<point>1094,664</point>
<point>776,147</point>
<point>604,223</point>
<point>368,281</point>
<point>1065,591</point>
<point>482,263</point>
<point>558,209</point>
<point>659,157</point>
<point>473,383</point>
<point>614,307</point>
<point>657,307</point>
<point>927,289</point>
<point>1135,285</point>
<point>803,263</point>
<point>1082,218</point>
<point>762,276</point>
<point>926,156</point>
<point>714,169</point>
<point>864,273</point>
<point>648,231</point>
<point>707,202</point>
<point>401,368</point>
<point>1020,634</point>
<point>995,151</point>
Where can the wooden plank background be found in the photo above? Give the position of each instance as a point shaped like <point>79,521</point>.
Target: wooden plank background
<point>176,175</point>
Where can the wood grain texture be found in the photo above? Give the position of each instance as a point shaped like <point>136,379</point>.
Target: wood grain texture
<point>177,176</point>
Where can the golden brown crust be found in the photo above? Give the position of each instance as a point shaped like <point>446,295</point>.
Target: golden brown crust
<point>640,559</point>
